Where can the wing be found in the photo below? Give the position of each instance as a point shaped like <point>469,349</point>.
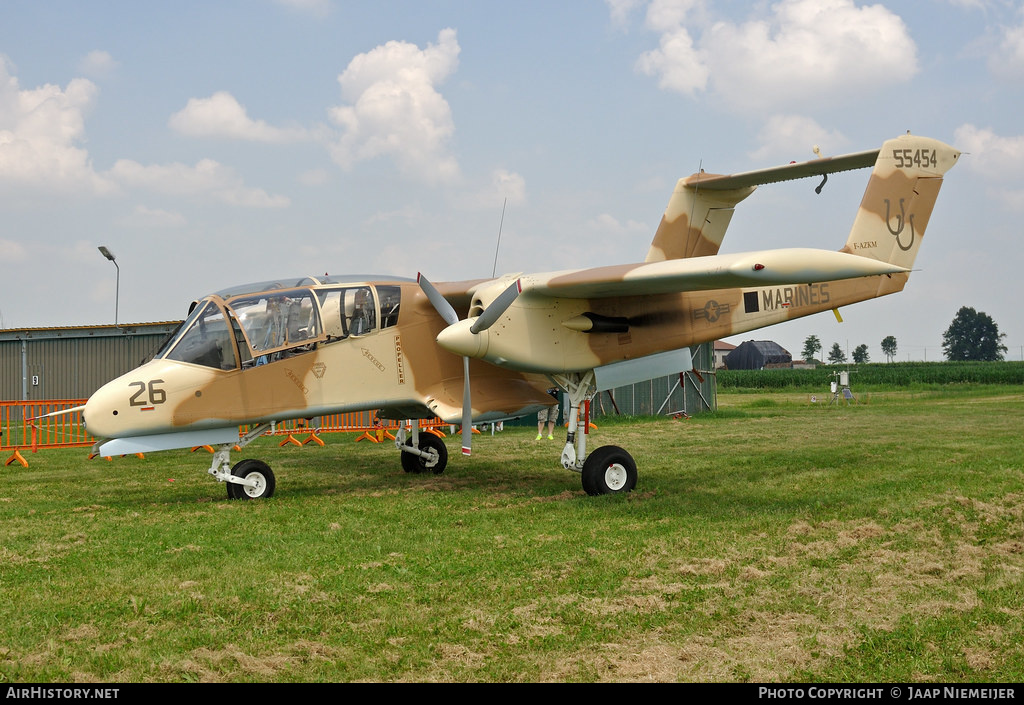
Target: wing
<point>761,268</point>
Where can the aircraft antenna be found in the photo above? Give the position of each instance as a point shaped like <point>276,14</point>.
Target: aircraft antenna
<point>494,269</point>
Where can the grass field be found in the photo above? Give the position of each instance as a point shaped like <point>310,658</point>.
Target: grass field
<point>776,540</point>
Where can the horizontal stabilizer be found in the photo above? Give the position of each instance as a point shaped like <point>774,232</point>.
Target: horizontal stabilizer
<point>786,172</point>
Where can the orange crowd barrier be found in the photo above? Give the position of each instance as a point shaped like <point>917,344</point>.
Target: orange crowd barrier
<point>25,425</point>
<point>367,425</point>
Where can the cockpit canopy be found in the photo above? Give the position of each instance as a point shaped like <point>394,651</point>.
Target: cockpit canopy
<point>240,328</point>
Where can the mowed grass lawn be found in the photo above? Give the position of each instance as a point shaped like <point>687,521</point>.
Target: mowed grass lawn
<point>776,540</point>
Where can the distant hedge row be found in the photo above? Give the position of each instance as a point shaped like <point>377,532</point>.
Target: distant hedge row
<point>876,375</point>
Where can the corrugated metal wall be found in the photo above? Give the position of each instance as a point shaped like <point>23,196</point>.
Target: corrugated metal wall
<point>662,396</point>
<point>72,363</point>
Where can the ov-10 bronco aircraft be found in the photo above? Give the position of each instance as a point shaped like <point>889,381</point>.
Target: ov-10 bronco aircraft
<point>484,350</point>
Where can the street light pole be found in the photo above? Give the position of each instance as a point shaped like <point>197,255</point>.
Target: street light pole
<point>117,286</point>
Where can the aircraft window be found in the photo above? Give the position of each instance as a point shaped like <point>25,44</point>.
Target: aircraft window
<point>171,340</point>
<point>350,311</point>
<point>264,286</point>
<point>277,323</point>
<point>390,298</point>
<point>364,314</point>
<point>206,340</point>
<point>243,346</point>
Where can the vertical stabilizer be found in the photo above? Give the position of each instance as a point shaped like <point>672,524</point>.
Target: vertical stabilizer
<point>899,198</point>
<point>695,220</point>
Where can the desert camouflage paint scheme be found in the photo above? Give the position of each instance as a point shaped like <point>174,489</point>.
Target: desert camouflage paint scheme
<point>488,349</point>
<point>320,373</point>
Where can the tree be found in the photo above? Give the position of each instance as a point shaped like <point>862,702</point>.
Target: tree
<point>860,353</point>
<point>889,347</point>
<point>812,346</point>
<point>973,335</point>
<point>836,354</point>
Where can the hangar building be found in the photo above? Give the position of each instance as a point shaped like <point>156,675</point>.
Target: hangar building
<point>72,363</point>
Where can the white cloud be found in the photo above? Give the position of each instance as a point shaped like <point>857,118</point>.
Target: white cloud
<point>677,63</point>
<point>143,217</point>
<point>608,224</point>
<point>793,137</point>
<point>669,15</point>
<point>317,8</point>
<point>999,160</point>
<point>221,115</point>
<point>97,63</point>
<point>802,53</point>
<point>40,133</point>
<point>314,177</point>
<point>990,154</point>
<point>395,110</point>
<point>12,252</point>
<point>1008,58</point>
<point>621,9</point>
<point>412,214</point>
<point>207,178</point>
<point>505,187</point>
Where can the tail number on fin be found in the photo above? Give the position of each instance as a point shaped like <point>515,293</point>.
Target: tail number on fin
<point>910,158</point>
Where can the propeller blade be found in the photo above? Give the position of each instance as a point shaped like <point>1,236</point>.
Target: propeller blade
<point>440,304</point>
<point>467,410</point>
<point>447,312</point>
<point>493,312</point>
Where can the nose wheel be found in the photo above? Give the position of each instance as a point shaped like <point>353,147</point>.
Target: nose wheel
<point>258,480</point>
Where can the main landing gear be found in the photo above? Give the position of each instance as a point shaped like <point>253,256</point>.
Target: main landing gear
<point>609,469</point>
<point>421,452</point>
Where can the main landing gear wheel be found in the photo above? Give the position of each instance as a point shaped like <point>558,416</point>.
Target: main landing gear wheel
<point>256,471</point>
<point>609,470</point>
<point>417,464</point>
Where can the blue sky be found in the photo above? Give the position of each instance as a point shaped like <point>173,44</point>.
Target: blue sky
<point>209,144</point>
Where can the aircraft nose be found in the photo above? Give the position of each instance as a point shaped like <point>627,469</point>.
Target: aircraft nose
<point>101,414</point>
<point>458,339</point>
